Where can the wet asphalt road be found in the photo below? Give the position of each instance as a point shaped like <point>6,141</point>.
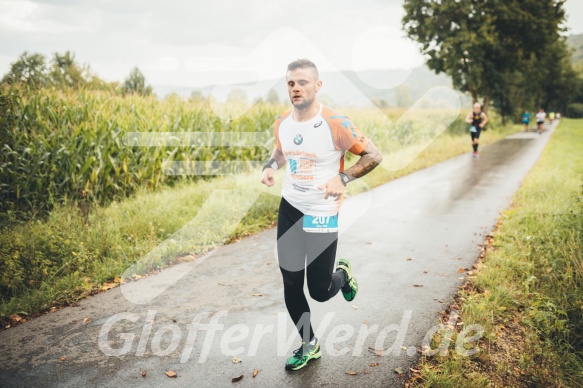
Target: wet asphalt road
<point>435,217</point>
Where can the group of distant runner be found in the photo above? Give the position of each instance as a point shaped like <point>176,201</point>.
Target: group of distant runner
<point>478,119</point>
<point>540,119</point>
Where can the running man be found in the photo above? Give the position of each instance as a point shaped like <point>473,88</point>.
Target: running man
<point>526,119</point>
<point>311,139</point>
<point>477,120</point>
<point>540,120</point>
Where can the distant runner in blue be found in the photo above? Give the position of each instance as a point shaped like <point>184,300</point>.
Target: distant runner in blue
<point>526,119</point>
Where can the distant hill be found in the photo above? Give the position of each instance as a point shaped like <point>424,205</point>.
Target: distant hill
<point>345,88</point>
<point>576,43</point>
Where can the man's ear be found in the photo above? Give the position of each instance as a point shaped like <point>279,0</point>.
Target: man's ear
<point>318,85</point>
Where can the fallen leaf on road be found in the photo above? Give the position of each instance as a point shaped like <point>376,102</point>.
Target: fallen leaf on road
<point>417,285</point>
<point>373,364</point>
<point>257,294</point>
<point>15,318</point>
<point>351,373</point>
<point>236,360</point>
<point>409,258</point>
<point>144,373</point>
<point>255,372</point>
<point>461,270</point>
<point>399,371</point>
<point>86,319</point>
<point>63,358</point>
<point>107,286</point>
<point>116,279</point>
<point>171,374</point>
<point>235,379</point>
<point>425,271</point>
<point>366,372</point>
<point>404,347</point>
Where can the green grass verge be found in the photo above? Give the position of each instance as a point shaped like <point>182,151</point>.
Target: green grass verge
<point>58,260</point>
<point>528,290</point>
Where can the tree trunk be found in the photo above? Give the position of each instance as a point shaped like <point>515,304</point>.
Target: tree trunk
<point>486,104</point>
<point>474,95</point>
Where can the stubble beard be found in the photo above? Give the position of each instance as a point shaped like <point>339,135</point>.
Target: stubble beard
<point>303,105</point>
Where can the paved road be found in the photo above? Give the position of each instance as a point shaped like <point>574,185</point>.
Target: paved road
<point>436,217</point>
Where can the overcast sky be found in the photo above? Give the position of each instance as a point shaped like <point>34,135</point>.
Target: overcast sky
<point>197,43</point>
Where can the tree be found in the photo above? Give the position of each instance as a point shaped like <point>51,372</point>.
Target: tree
<point>272,97</point>
<point>560,83</point>
<point>65,72</point>
<point>489,48</point>
<point>237,96</point>
<point>136,83</point>
<point>29,69</point>
<point>197,96</point>
<point>403,97</point>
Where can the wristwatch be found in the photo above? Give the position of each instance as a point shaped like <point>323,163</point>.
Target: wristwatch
<point>344,178</point>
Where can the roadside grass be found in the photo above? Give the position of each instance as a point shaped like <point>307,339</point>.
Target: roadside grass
<point>74,255</point>
<point>527,292</point>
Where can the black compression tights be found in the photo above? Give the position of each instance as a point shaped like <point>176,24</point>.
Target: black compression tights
<point>293,247</point>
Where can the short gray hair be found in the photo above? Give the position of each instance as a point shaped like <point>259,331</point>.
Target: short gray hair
<point>303,63</point>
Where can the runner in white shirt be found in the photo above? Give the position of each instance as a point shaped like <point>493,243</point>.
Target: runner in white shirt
<point>540,120</point>
<point>312,140</point>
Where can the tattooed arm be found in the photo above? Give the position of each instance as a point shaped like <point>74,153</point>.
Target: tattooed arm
<point>370,157</point>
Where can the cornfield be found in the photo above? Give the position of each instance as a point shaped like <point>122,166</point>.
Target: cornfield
<point>68,145</point>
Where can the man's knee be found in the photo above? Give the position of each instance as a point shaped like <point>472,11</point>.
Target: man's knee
<point>319,292</point>
<point>292,280</point>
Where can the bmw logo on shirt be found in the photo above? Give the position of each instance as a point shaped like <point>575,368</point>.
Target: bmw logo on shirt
<point>298,139</point>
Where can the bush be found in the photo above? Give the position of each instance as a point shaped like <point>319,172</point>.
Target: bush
<point>32,254</point>
<point>574,110</point>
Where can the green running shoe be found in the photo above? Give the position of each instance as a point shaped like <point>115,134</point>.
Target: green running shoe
<point>350,288</point>
<point>301,356</point>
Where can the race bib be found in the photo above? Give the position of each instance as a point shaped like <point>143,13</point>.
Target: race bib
<point>321,224</point>
<point>473,129</point>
